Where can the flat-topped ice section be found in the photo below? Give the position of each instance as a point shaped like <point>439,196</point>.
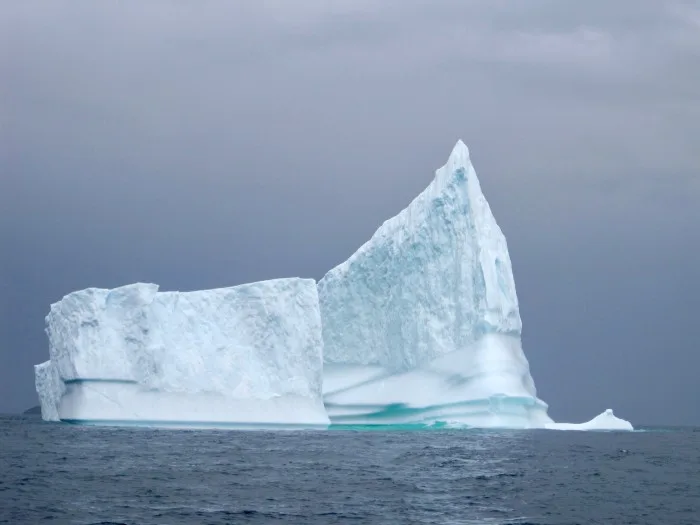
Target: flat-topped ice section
<point>247,355</point>
<point>422,322</point>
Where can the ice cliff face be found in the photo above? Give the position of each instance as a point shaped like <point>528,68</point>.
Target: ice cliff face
<point>431,280</point>
<point>50,388</point>
<point>100,334</point>
<point>425,314</point>
<point>247,354</point>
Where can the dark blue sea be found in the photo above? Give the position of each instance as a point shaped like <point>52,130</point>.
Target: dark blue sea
<point>58,473</point>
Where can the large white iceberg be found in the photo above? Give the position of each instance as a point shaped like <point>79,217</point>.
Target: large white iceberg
<point>246,355</point>
<point>422,324</point>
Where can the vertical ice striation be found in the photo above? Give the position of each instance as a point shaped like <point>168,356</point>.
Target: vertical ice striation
<point>424,317</point>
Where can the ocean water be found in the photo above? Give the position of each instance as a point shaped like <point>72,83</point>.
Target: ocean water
<point>59,473</point>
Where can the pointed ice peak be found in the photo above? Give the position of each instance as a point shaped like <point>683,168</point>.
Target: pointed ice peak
<point>460,151</point>
<point>459,159</point>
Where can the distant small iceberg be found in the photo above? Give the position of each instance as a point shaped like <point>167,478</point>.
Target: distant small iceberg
<point>605,421</point>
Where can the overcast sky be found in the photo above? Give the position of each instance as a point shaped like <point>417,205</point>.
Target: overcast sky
<point>206,144</point>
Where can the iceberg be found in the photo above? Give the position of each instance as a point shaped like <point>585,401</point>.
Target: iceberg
<point>420,326</point>
<point>245,355</point>
<point>605,421</point>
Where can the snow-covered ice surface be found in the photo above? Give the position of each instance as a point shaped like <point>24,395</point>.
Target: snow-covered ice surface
<point>246,355</point>
<point>422,324</point>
